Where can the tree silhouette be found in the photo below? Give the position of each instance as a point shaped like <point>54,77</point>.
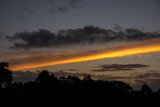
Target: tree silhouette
<point>43,77</point>
<point>87,77</point>
<point>5,74</point>
<point>146,90</point>
<point>123,86</point>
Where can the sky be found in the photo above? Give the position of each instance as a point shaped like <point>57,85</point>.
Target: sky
<point>109,39</point>
<point>19,15</point>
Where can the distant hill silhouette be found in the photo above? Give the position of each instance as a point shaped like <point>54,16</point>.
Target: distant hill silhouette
<point>50,91</point>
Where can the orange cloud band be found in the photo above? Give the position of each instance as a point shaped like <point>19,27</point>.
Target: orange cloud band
<point>138,48</point>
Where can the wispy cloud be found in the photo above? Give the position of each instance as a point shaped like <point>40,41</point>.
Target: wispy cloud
<point>30,11</point>
<point>52,10</point>
<point>75,3</point>
<point>21,18</point>
<point>119,67</point>
<point>1,32</point>
<point>76,14</point>
<point>63,8</point>
<point>53,1</point>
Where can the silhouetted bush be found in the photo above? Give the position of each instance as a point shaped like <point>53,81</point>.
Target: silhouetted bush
<point>5,74</point>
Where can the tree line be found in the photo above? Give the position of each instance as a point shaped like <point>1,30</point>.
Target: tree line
<point>48,90</point>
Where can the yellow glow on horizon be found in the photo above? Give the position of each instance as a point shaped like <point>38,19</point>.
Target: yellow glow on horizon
<point>117,52</point>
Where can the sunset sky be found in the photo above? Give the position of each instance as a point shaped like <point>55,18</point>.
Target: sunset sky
<point>109,39</point>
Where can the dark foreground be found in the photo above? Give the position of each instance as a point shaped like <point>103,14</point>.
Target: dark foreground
<point>49,91</point>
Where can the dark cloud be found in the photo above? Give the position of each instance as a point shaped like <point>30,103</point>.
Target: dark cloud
<point>30,11</point>
<point>52,10</point>
<point>64,74</point>
<point>151,74</point>
<point>74,3</point>
<point>117,27</point>
<point>53,1</point>
<point>52,20</point>
<point>21,18</point>
<point>2,38</point>
<point>151,78</point>
<point>119,67</point>
<point>143,76</point>
<point>70,70</point>
<point>86,36</point>
<point>1,32</point>
<point>76,14</point>
<point>36,39</point>
<point>63,8</point>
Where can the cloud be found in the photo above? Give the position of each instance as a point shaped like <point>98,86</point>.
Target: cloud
<point>29,11</point>
<point>143,76</point>
<point>152,78</point>
<point>74,3</point>
<point>120,67</point>
<point>87,35</point>
<point>1,32</point>
<point>53,1</point>
<point>65,73</point>
<point>52,10</point>
<point>63,8</point>
<point>35,39</point>
<point>76,14</point>
<point>21,18</point>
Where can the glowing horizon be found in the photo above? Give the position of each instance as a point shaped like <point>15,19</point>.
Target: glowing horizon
<point>140,48</point>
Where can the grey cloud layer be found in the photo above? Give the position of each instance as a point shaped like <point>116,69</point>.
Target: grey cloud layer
<point>29,10</point>
<point>118,67</point>
<point>86,36</point>
<point>65,5</point>
<point>63,8</point>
